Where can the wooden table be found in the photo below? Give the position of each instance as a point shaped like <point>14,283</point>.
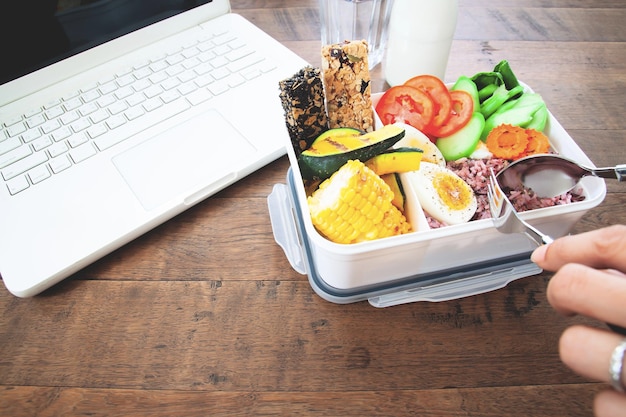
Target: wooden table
<point>204,316</point>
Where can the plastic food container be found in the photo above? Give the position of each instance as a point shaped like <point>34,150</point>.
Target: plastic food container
<point>428,264</point>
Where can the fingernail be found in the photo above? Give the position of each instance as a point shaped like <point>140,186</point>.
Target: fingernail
<point>539,254</point>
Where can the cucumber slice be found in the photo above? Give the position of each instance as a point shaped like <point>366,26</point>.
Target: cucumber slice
<point>462,143</point>
<point>465,83</point>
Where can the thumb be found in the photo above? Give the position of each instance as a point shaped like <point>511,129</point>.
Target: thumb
<point>602,248</point>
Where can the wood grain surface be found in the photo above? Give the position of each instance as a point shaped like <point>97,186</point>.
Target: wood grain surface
<point>203,316</point>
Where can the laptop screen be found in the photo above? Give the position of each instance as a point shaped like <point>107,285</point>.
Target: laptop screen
<point>37,33</point>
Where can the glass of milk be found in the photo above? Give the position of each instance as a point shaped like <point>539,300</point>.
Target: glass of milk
<point>353,20</point>
<point>420,37</point>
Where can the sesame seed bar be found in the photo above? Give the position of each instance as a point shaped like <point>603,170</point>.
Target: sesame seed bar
<point>302,98</point>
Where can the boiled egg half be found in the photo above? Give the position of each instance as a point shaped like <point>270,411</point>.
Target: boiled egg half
<point>443,194</point>
<point>414,138</point>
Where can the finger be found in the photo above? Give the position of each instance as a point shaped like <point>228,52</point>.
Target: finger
<point>579,289</point>
<point>609,404</point>
<point>587,351</point>
<point>601,248</point>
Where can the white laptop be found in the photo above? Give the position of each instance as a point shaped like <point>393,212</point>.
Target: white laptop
<point>106,144</point>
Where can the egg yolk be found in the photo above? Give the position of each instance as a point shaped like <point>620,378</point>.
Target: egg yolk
<point>452,191</point>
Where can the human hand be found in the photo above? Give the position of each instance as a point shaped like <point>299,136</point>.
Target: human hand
<point>590,280</point>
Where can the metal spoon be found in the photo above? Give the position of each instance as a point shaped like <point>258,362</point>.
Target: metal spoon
<point>549,175</point>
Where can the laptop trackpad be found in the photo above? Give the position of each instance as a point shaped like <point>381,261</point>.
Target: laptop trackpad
<point>200,155</point>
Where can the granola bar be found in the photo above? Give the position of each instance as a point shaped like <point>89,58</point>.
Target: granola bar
<point>302,98</point>
<point>347,85</point>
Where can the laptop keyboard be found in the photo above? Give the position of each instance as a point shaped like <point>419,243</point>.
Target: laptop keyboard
<point>64,132</point>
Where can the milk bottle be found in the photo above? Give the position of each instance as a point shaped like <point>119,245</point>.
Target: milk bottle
<point>420,37</point>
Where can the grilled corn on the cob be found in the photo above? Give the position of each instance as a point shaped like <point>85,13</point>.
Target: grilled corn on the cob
<point>355,205</point>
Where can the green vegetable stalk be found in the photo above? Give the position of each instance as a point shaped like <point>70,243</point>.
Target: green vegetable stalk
<point>500,96</point>
<point>529,111</point>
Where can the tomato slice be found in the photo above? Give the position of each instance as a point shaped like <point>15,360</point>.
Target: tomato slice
<point>461,113</point>
<point>405,104</point>
<point>439,94</point>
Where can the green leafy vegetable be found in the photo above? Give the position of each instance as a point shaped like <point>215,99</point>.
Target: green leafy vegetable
<point>528,111</point>
<point>509,78</point>
<point>500,96</point>
<point>488,82</point>
<point>502,100</point>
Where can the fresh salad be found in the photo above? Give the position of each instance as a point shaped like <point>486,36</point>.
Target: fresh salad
<point>479,123</point>
<point>489,113</point>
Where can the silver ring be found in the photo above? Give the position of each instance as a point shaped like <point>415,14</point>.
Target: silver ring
<point>615,368</point>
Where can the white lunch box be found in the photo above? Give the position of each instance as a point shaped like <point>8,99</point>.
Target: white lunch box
<point>428,264</point>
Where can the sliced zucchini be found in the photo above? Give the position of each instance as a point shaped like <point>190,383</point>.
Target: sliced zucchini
<point>394,182</point>
<point>326,155</point>
<point>336,133</point>
<point>397,160</point>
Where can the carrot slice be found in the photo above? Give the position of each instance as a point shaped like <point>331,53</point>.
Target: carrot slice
<point>537,143</point>
<point>507,141</point>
